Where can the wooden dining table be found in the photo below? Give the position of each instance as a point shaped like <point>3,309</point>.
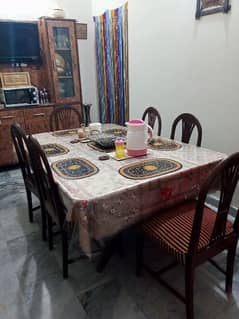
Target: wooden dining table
<point>104,200</point>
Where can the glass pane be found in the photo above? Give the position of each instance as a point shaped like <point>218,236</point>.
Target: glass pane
<point>63,61</point>
<point>66,87</point>
<point>61,38</point>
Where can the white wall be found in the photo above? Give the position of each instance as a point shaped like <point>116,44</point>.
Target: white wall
<point>100,6</point>
<point>81,10</point>
<point>180,65</point>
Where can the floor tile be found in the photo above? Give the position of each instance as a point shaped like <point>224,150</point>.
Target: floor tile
<point>15,223</point>
<point>51,297</point>
<point>110,301</point>
<point>31,284</point>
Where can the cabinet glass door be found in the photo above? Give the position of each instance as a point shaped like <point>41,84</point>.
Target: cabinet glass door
<point>63,61</point>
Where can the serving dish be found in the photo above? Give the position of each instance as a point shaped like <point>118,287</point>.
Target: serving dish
<point>104,140</point>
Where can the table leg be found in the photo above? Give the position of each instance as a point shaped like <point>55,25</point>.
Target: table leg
<point>115,245</point>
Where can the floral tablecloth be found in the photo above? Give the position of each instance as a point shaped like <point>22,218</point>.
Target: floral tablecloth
<point>105,203</point>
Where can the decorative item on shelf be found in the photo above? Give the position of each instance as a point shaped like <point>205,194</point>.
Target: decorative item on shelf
<point>58,11</point>
<point>205,7</point>
<point>43,96</point>
<point>14,79</point>
<point>60,63</point>
<point>81,31</point>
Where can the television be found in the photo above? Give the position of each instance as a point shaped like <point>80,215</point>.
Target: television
<point>19,42</point>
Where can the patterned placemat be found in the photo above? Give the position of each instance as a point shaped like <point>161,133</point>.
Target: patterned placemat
<point>149,168</point>
<point>54,149</point>
<point>161,144</point>
<point>65,132</point>
<point>75,168</point>
<point>99,148</point>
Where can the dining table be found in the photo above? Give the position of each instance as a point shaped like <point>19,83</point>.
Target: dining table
<point>104,197</point>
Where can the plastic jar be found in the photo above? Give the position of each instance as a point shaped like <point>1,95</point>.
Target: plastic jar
<point>119,148</point>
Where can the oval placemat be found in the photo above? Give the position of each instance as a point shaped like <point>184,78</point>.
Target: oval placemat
<point>158,143</point>
<point>149,168</point>
<point>65,132</point>
<point>74,168</point>
<point>54,149</point>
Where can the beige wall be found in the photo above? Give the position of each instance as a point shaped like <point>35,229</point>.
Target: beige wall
<point>180,65</point>
<point>81,10</point>
<point>100,6</point>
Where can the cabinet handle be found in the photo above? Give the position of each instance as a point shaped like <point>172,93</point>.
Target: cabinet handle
<point>6,117</point>
<point>39,114</point>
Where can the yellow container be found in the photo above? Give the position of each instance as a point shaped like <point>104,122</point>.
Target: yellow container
<point>119,149</point>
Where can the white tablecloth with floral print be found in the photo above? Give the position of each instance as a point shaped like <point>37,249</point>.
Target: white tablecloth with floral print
<point>107,202</point>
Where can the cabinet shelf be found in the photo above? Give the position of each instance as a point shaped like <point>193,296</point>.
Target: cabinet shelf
<point>62,49</point>
<point>65,77</point>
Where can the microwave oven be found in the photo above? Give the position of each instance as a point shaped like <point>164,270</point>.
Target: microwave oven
<point>19,96</point>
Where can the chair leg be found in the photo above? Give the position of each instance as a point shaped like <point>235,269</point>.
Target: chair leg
<point>106,255</point>
<point>189,283</point>
<point>49,232</point>
<point>139,252</point>
<point>65,254</point>
<point>230,267</point>
<point>29,202</point>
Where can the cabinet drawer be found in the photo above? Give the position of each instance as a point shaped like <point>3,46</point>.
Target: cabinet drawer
<point>37,120</point>
<point>38,113</point>
<point>7,118</point>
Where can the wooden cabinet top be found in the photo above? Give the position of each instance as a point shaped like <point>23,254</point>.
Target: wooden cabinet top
<point>24,107</point>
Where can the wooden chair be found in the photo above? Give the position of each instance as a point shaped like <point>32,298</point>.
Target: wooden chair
<point>20,142</point>
<point>64,117</point>
<point>189,122</point>
<point>194,233</point>
<point>55,209</point>
<point>153,117</point>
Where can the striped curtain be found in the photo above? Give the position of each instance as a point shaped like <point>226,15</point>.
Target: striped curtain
<point>111,36</point>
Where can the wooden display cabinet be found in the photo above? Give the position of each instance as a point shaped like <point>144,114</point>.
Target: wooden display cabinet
<point>61,60</point>
<point>59,73</point>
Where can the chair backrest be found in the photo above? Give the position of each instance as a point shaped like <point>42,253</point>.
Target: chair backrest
<point>64,117</point>
<point>20,142</point>
<point>47,187</point>
<point>153,117</point>
<point>224,177</point>
<point>189,122</point>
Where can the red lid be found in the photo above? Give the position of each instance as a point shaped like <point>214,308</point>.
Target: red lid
<point>136,122</point>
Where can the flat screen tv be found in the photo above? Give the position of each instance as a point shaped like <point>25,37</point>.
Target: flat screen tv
<point>19,42</point>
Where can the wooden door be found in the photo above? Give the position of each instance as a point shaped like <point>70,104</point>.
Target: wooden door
<point>64,60</point>
<point>7,151</point>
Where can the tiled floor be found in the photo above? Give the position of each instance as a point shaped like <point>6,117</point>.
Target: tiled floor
<point>31,284</point>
